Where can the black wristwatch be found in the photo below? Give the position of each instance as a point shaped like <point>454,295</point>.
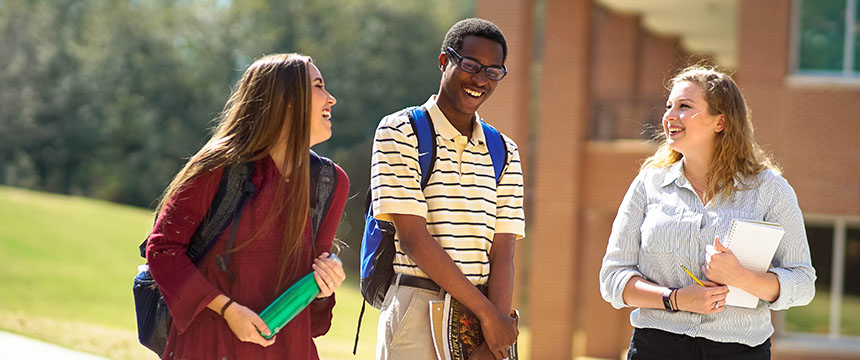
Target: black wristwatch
<point>667,302</point>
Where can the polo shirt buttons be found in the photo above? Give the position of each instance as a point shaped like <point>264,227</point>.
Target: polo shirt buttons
<point>460,145</point>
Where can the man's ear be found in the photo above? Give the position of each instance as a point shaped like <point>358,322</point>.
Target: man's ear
<point>721,123</point>
<point>443,60</point>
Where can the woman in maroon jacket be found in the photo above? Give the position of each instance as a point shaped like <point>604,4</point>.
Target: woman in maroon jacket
<point>279,109</point>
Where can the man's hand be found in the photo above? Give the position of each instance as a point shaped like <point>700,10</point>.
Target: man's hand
<point>482,353</point>
<point>500,333</point>
<point>500,293</point>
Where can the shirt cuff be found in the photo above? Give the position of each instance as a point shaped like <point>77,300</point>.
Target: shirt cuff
<point>182,321</point>
<point>616,298</point>
<point>383,211</point>
<point>790,288</point>
<point>517,229</point>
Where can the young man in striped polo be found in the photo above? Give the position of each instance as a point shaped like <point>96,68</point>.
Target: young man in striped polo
<point>459,232</point>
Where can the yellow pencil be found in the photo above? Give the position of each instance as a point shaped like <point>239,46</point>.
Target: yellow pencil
<point>691,275</point>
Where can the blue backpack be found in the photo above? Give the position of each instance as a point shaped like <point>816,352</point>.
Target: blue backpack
<point>377,243</point>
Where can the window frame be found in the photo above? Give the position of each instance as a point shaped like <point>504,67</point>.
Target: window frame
<point>847,51</point>
<point>833,341</point>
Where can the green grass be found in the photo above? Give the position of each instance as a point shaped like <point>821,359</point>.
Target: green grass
<point>815,317</point>
<point>337,344</point>
<point>67,265</point>
<point>68,258</point>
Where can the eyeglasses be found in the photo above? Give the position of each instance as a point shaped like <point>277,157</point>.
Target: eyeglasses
<point>472,66</point>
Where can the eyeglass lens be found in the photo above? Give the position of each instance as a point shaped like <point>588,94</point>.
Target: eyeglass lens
<point>473,67</point>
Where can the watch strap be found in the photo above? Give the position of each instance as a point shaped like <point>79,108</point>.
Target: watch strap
<point>667,301</point>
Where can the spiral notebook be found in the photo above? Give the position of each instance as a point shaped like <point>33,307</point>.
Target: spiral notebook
<point>753,243</point>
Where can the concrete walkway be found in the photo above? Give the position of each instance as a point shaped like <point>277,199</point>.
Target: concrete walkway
<point>18,347</point>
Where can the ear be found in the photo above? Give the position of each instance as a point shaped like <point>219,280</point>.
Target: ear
<point>721,123</point>
<point>443,61</point>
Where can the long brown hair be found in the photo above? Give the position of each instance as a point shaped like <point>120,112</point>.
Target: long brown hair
<point>272,98</point>
<point>736,154</point>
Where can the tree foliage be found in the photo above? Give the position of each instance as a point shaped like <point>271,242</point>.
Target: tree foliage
<point>107,98</point>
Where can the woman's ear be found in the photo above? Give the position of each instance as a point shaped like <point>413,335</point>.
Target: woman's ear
<point>721,123</point>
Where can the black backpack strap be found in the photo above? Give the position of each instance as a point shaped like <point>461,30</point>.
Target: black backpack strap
<point>240,188</point>
<point>358,328</point>
<point>323,183</point>
<point>220,211</point>
<point>228,200</point>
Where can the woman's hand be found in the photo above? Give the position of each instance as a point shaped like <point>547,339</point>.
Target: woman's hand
<point>247,325</point>
<point>709,299</point>
<point>722,266</point>
<point>328,274</point>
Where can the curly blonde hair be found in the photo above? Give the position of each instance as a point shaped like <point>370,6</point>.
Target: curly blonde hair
<point>736,154</point>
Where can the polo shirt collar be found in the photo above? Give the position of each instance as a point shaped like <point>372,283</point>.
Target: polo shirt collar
<point>446,130</point>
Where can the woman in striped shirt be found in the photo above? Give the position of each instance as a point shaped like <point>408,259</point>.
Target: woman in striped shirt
<point>707,171</point>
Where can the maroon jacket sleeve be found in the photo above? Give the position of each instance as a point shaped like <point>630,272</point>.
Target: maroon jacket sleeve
<point>321,308</point>
<point>185,290</point>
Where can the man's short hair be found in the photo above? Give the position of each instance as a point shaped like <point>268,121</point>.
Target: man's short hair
<point>474,27</point>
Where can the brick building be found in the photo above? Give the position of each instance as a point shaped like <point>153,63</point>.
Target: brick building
<point>586,80</point>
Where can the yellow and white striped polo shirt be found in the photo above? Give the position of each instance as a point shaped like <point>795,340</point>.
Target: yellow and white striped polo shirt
<point>462,204</point>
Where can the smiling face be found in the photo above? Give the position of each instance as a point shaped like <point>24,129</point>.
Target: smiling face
<point>689,126</point>
<point>461,93</point>
<point>321,103</point>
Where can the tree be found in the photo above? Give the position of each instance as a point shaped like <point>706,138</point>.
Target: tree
<point>108,98</point>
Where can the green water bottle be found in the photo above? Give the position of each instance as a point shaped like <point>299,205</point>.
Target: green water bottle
<point>292,301</point>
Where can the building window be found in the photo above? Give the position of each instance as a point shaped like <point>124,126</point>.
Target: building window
<point>835,249</point>
<point>827,37</point>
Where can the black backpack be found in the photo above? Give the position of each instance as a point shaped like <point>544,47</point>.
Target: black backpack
<point>235,187</point>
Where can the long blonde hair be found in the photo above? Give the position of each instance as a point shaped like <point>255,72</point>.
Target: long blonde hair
<point>273,96</point>
<point>736,154</point>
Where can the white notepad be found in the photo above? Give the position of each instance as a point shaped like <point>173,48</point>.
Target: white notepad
<point>753,243</point>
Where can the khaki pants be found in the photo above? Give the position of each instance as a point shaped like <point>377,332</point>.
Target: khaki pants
<point>404,324</point>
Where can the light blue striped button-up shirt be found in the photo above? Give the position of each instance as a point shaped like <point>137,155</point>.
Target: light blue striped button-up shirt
<point>662,224</point>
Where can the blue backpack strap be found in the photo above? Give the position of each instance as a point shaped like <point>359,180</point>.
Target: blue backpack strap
<point>422,126</point>
<point>498,149</point>
<point>374,250</point>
